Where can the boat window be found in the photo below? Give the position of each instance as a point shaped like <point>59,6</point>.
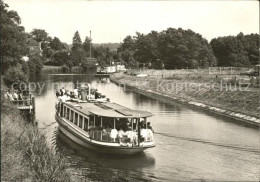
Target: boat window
<point>91,120</point>
<point>97,121</point>
<point>86,124</point>
<point>71,116</point>
<point>76,119</point>
<point>67,112</point>
<point>61,110</point>
<point>80,121</point>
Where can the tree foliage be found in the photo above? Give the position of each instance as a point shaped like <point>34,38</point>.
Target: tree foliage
<point>56,44</point>
<point>61,58</point>
<point>39,35</point>
<point>104,55</point>
<point>77,54</point>
<point>175,48</point>
<point>237,50</point>
<point>15,75</point>
<point>35,65</point>
<point>48,52</point>
<point>76,41</point>
<point>86,45</point>
<point>13,38</point>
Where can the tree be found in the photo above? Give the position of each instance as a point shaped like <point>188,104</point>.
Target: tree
<point>56,44</point>
<point>184,48</point>
<point>172,48</point>
<point>39,35</point>
<point>15,74</point>
<point>77,52</point>
<point>65,69</point>
<point>127,50</point>
<point>48,53</point>
<point>13,38</point>
<point>35,65</point>
<point>127,57</point>
<point>76,41</point>
<point>146,47</point>
<point>61,58</point>
<point>128,44</point>
<point>237,50</point>
<point>69,63</point>
<point>86,44</point>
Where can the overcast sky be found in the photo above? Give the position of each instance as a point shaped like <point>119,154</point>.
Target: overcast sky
<point>112,21</point>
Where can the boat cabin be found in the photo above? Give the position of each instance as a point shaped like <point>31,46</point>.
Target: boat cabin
<point>108,122</point>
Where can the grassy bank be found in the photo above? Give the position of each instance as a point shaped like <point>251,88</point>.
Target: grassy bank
<point>25,155</point>
<point>209,91</point>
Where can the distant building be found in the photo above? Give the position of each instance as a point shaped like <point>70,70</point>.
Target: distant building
<point>106,69</point>
<point>120,67</point>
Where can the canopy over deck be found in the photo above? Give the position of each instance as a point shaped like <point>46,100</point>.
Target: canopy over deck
<point>108,109</point>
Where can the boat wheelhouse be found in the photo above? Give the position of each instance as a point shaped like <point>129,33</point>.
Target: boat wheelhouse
<point>105,127</point>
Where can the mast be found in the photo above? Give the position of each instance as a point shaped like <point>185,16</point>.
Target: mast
<point>90,45</point>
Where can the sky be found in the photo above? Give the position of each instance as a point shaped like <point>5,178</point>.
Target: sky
<point>112,21</point>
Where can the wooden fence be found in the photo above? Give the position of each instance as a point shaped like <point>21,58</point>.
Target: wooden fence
<point>198,71</point>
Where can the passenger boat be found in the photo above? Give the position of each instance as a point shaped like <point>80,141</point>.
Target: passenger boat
<point>105,127</point>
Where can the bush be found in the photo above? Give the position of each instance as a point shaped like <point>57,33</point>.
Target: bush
<point>35,65</point>
<point>65,69</point>
<point>15,74</point>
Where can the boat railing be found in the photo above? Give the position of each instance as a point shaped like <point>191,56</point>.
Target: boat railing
<point>105,136</point>
<point>22,102</point>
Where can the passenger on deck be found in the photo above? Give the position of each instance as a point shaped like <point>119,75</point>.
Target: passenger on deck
<point>108,128</point>
<point>113,134</point>
<point>20,96</point>
<point>64,98</point>
<point>104,135</point>
<point>57,93</point>
<point>149,126</point>
<point>143,133</point>
<point>10,97</point>
<point>15,96</point>
<point>72,95</point>
<point>5,95</point>
<point>83,95</point>
<point>121,133</point>
<point>76,93</point>
<point>61,92</point>
<point>142,124</point>
<point>68,96</point>
<point>132,135</point>
<point>67,92</point>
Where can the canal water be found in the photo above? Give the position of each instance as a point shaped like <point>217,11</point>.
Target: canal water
<point>190,144</point>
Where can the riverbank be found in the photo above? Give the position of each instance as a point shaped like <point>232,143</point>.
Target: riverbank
<point>25,155</point>
<point>240,103</point>
<point>61,69</point>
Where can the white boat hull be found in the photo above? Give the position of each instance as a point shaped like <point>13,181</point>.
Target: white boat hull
<point>103,147</point>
